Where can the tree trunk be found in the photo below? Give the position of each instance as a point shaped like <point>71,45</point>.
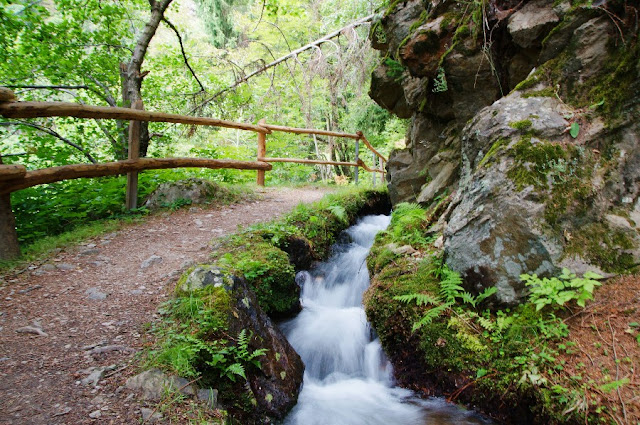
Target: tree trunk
<point>9,248</point>
<point>132,76</point>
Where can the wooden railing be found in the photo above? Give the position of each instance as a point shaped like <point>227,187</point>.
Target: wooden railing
<point>16,177</point>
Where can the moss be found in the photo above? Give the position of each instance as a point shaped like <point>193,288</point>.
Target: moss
<point>572,194</point>
<point>534,162</point>
<point>617,84</point>
<point>267,270</point>
<point>395,70</point>
<point>547,92</point>
<point>603,246</point>
<point>531,81</point>
<point>497,146</point>
<point>521,125</point>
<point>392,7</point>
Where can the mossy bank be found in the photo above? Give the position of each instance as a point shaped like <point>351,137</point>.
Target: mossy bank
<point>520,365</point>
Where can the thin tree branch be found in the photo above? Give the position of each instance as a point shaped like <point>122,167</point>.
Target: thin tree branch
<point>290,55</point>
<point>51,133</point>
<point>107,96</point>
<point>48,87</point>
<point>184,55</point>
<point>264,4</point>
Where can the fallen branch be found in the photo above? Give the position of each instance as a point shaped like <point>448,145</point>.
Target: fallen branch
<point>290,55</point>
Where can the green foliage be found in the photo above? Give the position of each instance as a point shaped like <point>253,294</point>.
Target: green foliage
<point>409,225</point>
<point>339,212</point>
<point>191,340</point>
<point>450,290</point>
<point>440,82</point>
<point>395,69</point>
<point>574,130</point>
<point>557,291</point>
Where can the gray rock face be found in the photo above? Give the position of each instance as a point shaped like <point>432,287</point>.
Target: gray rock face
<point>499,227</point>
<point>196,191</point>
<point>529,23</point>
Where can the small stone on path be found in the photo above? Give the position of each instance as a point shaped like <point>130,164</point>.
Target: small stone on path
<point>95,414</point>
<point>31,330</point>
<point>89,251</point>
<point>150,415</point>
<point>154,259</point>
<point>95,294</point>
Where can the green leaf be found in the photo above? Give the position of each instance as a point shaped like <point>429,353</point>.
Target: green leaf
<point>481,372</point>
<point>612,386</point>
<point>575,130</point>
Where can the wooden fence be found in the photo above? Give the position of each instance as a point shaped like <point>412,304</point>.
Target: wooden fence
<point>16,177</point>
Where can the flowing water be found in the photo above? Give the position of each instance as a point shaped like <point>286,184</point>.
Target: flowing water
<point>348,380</point>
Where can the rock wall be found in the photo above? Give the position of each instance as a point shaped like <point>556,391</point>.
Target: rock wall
<point>526,112</point>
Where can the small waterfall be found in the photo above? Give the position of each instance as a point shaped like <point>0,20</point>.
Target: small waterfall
<point>348,380</point>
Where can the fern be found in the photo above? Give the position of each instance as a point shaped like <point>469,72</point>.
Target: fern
<point>486,294</point>
<point>430,316</point>
<point>450,285</point>
<point>339,212</point>
<point>234,369</point>
<point>420,299</point>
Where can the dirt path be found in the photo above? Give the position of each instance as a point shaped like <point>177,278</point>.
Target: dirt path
<point>90,304</point>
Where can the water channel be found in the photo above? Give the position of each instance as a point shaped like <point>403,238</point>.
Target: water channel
<point>348,380</point>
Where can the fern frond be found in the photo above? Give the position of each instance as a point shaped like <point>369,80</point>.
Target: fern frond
<point>420,299</point>
<point>486,294</point>
<point>339,212</point>
<point>235,369</point>
<point>487,324</point>
<point>466,297</point>
<point>430,316</point>
<point>450,284</point>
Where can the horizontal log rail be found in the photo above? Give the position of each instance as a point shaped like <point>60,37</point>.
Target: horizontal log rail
<point>360,163</point>
<point>14,178</point>
<point>297,130</point>
<point>77,171</point>
<point>10,109</point>
<point>12,171</point>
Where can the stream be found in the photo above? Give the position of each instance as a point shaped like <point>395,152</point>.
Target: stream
<point>348,380</point>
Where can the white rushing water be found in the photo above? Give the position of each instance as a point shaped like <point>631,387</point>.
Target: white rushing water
<point>348,380</point>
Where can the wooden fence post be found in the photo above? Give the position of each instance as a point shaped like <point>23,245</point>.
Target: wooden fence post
<point>134,153</point>
<point>9,247</point>
<point>262,152</point>
<point>375,161</point>
<point>355,174</point>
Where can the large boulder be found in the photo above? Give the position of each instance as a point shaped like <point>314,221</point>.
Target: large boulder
<point>189,191</point>
<point>529,199</point>
<point>275,385</point>
<point>527,111</point>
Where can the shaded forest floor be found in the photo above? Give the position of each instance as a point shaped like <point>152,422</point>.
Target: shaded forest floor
<point>86,309</point>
